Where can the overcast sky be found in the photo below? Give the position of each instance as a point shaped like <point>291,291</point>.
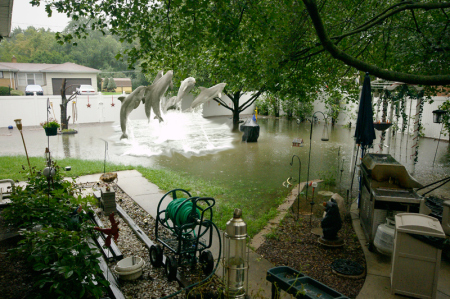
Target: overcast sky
<point>25,15</point>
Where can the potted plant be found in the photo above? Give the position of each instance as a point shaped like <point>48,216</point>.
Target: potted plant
<point>51,127</point>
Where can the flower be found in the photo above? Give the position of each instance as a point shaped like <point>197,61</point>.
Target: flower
<point>51,123</point>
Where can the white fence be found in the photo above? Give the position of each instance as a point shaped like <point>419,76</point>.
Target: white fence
<point>32,109</point>
<point>430,129</point>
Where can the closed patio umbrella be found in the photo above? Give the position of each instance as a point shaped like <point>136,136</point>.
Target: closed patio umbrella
<point>365,132</point>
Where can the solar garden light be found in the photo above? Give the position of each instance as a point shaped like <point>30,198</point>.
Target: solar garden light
<point>236,257</point>
<point>324,138</point>
<point>19,127</point>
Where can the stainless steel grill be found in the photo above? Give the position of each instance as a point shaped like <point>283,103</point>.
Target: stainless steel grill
<point>386,188</point>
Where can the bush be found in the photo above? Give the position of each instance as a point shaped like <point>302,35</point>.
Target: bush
<point>111,84</point>
<point>4,91</point>
<point>105,84</point>
<point>56,237</point>
<point>17,92</point>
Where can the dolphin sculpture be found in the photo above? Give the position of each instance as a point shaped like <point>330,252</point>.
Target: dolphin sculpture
<point>207,94</point>
<point>158,76</point>
<point>185,87</point>
<point>129,103</point>
<point>154,93</point>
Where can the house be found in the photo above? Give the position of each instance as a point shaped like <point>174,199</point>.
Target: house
<point>122,85</point>
<point>18,75</point>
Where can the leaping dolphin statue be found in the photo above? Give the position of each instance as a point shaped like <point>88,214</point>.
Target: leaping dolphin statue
<point>185,87</point>
<point>129,103</point>
<point>207,94</point>
<point>154,93</point>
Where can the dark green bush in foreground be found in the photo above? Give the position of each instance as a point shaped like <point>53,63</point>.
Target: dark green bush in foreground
<point>56,238</point>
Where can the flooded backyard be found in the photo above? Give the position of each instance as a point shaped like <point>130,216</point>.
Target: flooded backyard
<point>205,148</point>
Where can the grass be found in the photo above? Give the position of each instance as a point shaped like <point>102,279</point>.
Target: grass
<point>108,93</point>
<point>257,211</point>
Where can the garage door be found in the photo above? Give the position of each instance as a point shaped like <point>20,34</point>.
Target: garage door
<point>71,84</point>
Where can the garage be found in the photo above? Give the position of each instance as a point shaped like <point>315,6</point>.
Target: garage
<point>71,84</point>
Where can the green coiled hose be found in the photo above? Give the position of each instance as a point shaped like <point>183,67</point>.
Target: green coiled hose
<point>182,217</point>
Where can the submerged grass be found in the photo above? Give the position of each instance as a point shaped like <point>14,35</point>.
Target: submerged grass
<point>258,207</point>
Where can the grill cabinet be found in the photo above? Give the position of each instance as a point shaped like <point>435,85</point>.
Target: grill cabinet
<point>386,186</point>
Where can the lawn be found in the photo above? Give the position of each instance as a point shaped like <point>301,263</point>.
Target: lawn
<point>227,198</point>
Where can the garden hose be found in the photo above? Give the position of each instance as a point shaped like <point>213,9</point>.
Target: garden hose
<point>183,216</point>
<point>210,275</point>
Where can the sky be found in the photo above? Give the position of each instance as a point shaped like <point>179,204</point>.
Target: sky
<point>25,15</point>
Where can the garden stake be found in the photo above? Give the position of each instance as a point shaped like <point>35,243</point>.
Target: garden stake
<point>298,190</point>
<point>438,143</point>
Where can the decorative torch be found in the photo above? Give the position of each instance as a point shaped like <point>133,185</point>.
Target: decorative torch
<point>236,257</point>
<point>19,127</point>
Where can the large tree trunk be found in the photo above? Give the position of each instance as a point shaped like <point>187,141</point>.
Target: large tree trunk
<point>236,112</point>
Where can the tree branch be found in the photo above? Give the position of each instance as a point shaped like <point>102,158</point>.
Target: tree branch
<point>366,67</point>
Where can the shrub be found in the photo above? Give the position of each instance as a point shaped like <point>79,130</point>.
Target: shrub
<point>17,92</point>
<point>56,238</point>
<point>105,84</point>
<point>112,84</point>
<point>4,91</point>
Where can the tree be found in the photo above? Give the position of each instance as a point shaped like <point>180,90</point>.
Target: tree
<point>63,105</point>
<point>105,84</point>
<point>406,41</point>
<point>111,84</point>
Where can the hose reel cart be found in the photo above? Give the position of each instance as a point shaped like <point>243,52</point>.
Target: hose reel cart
<point>189,222</point>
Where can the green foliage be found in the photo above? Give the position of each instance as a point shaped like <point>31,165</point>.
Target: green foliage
<point>17,92</point>
<point>56,238</point>
<point>51,123</point>
<point>105,83</point>
<point>4,91</point>
<point>446,117</point>
<point>111,84</point>
<point>328,177</point>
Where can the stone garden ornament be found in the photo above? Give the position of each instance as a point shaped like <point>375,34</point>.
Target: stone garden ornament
<point>154,93</point>
<point>207,94</point>
<point>185,87</point>
<point>129,103</point>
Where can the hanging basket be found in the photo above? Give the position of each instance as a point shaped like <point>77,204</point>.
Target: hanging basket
<point>382,126</point>
<point>51,131</point>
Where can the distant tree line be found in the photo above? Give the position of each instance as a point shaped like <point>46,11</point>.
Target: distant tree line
<point>38,45</point>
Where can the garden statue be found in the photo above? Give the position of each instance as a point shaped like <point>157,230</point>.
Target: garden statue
<point>110,232</point>
<point>207,94</point>
<point>129,103</point>
<point>154,92</point>
<point>332,222</point>
<point>185,87</point>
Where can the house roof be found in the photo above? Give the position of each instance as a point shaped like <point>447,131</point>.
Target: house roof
<point>67,67</point>
<point>122,82</point>
<point>6,8</point>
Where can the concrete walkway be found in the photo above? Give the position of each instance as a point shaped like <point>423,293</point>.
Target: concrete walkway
<point>377,283</point>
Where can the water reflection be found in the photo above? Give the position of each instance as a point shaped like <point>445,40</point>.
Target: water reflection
<point>66,145</point>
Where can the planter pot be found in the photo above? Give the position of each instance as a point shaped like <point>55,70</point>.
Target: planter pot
<point>51,131</point>
<point>129,271</point>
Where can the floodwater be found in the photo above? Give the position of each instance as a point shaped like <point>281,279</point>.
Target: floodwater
<point>207,149</point>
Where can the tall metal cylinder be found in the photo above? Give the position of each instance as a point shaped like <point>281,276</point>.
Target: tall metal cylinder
<point>235,269</point>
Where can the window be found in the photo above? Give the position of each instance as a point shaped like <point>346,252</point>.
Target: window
<point>31,79</point>
<point>1,75</point>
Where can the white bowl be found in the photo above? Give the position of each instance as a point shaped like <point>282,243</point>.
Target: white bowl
<point>129,275</point>
<point>126,264</point>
